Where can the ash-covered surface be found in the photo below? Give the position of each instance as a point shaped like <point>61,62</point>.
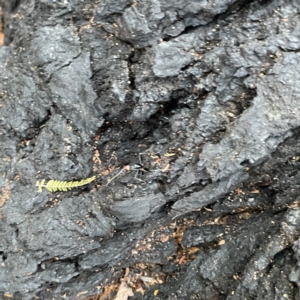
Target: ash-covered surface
<point>188,114</point>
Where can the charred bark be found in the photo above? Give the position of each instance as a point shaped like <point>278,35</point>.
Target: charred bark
<point>188,114</point>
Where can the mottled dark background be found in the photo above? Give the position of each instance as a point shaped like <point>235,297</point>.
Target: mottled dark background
<point>188,114</point>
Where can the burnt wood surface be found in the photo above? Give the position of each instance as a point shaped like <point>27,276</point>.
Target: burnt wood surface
<point>187,112</point>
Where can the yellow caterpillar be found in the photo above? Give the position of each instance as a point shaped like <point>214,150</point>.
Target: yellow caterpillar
<point>55,185</point>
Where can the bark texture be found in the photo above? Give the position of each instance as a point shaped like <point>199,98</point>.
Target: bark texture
<point>188,114</point>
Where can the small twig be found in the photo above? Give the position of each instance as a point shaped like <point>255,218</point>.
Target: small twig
<point>109,181</point>
<point>186,212</point>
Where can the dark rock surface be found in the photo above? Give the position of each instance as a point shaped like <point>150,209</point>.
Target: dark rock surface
<point>188,114</point>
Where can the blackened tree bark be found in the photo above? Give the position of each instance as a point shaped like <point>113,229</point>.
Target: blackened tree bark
<point>188,114</point>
